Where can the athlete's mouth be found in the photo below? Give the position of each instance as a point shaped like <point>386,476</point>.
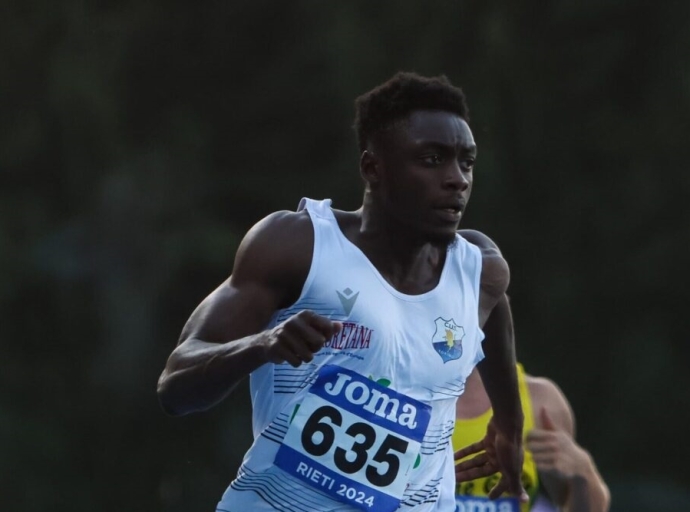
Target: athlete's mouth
<point>453,207</point>
<point>449,213</point>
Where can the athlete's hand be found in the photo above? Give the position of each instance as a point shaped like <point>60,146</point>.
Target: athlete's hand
<point>298,338</point>
<point>555,452</point>
<point>497,452</point>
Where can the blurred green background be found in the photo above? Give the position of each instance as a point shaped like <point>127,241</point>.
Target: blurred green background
<point>140,140</point>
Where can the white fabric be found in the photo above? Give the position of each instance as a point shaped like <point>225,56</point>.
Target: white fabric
<point>421,346</point>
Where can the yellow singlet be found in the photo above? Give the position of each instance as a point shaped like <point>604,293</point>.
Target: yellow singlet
<point>470,431</point>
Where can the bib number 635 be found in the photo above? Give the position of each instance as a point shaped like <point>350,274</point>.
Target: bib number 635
<point>319,434</point>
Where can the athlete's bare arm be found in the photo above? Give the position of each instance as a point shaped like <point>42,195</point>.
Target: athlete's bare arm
<point>503,444</point>
<point>567,471</point>
<point>498,367</point>
<point>224,339</point>
<point>497,370</point>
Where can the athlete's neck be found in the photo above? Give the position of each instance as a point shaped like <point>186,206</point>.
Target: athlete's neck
<point>411,264</point>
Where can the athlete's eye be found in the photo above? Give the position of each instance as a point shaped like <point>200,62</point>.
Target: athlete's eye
<point>432,159</point>
<point>468,163</point>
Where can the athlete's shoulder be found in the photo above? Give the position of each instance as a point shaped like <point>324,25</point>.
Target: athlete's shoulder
<point>546,394</point>
<point>479,239</point>
<point>495,271</point>
<point>277,250</point>
<point>279,226</point>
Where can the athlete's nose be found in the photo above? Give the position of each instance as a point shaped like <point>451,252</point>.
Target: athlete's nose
<point>455,178</point>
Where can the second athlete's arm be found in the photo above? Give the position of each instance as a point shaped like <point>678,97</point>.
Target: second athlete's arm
<point>566,470</point>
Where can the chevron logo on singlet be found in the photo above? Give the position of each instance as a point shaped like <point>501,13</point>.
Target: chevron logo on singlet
<point>347,299</point>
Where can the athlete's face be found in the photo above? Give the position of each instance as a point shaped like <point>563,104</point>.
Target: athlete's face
<point>426,173</point>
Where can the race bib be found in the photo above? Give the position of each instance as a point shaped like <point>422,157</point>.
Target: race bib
<point>484,504</point>
<point>354,439</point>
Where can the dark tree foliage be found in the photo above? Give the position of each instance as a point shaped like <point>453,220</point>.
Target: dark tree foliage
<point>140,140</point>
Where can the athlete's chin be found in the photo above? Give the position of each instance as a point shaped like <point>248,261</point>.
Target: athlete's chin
<point>432,232</point>
<point>442,238</point>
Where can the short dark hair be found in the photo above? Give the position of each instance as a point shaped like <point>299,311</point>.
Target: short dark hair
<point>405,92</point>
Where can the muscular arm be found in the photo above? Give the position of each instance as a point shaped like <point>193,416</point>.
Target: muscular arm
<point>567,471</point>
<point>498,372</point>
<point>497,369</point>
<point>503,443</point>
<point>224,339</point>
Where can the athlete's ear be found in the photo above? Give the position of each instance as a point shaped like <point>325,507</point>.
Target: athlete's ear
<point>370,167</point>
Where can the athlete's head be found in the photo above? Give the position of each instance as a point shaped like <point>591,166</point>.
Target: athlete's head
<point>417,154</point>
<point>379,109</point>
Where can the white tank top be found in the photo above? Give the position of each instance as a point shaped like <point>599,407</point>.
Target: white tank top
<point>367,424</point>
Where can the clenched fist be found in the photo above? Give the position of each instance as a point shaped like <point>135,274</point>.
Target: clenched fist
<point>298,338</point>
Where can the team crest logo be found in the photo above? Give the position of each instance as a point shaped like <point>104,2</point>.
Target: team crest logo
<point>447,340</point>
